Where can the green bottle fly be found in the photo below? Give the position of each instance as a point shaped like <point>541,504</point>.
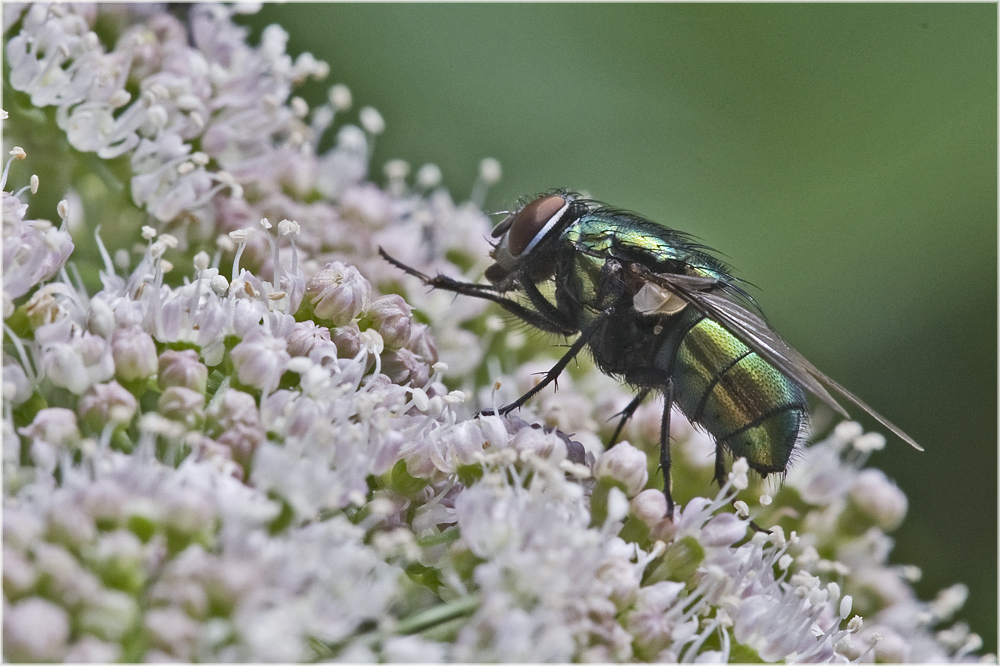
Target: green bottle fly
<point>660,312</point>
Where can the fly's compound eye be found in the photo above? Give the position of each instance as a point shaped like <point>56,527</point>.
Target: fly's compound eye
<point>532,223</point>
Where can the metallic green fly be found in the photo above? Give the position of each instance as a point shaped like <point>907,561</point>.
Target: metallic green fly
<point>660,312</point>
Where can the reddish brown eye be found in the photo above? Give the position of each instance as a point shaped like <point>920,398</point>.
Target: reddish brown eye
<point>530,221</point>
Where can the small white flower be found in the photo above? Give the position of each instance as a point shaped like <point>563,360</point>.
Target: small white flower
<point>371,120</point>
<point>489,171</point>
<point>340,97</point>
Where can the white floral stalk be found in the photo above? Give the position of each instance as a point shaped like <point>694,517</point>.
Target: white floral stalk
<point>221,445</point>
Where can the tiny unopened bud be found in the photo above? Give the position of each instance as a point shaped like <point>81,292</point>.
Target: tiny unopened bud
<point>181,404</point>
<point>299,107</point>
<point>182,368</point>
<point>877,498</point>
<point>347,338</point>
<point>393,317</point>
<point>100,318</point>
<point>340,97</point>
<point>53,425</point>
<point>396,169</point>
<point>490,171</point>
<point>259,361</point>
<point>649,506</point>
<point>338,293</point>
<point>371,120</point>
<point>428,176</point>
<point>402,366</point>
<point>625,463</point>
<point>544,445</point>
<point>106,403</point>
<point>134,352</point>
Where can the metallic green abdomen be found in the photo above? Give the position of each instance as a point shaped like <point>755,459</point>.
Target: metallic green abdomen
<point>745,403</point>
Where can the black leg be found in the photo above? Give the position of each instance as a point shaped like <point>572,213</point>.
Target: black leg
<point>488,292</point>
<point>720,478</point>
<point>720,465</point>
<point>626,414</point>
<point>668,401</point>
<point>560,365</point>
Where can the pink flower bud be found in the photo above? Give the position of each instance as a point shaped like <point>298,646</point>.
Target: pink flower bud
<point>392,317</point>
<point>338,293</point>
<point>348,339</point>
<point>181,404</point>
<point>422,343</point>
<point>53,425</point>
<point>649,506</point>
<point>134,352</point>
<point>35,629</point>
<point>878,498</point>
<point>402,366</point>
<point>260,360</point>
<point>16,387</point>
<point>545,445</point>
<point>106,403</point>
<point>623,462</point>
<point>305,336</point>
<point>237,407</point>
<point>182,368</point>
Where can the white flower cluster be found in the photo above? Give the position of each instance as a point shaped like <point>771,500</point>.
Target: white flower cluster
<point>269,464</point>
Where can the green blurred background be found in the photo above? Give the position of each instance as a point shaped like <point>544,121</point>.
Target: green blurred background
<point>843,156</point>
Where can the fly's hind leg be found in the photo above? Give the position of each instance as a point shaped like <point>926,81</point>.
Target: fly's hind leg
<point>720,465</point>
<point>720,478</point>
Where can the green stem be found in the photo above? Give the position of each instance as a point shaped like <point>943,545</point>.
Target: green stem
<point>437,615</point>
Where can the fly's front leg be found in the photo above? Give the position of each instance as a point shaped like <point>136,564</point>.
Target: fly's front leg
<point>443,281</point>
<point>668,401</point>
<point>488,292</point>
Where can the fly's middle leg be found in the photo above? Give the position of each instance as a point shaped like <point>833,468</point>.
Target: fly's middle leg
<point>668,401</point>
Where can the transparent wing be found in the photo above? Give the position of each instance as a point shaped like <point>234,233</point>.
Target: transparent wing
<point>754,332</point>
